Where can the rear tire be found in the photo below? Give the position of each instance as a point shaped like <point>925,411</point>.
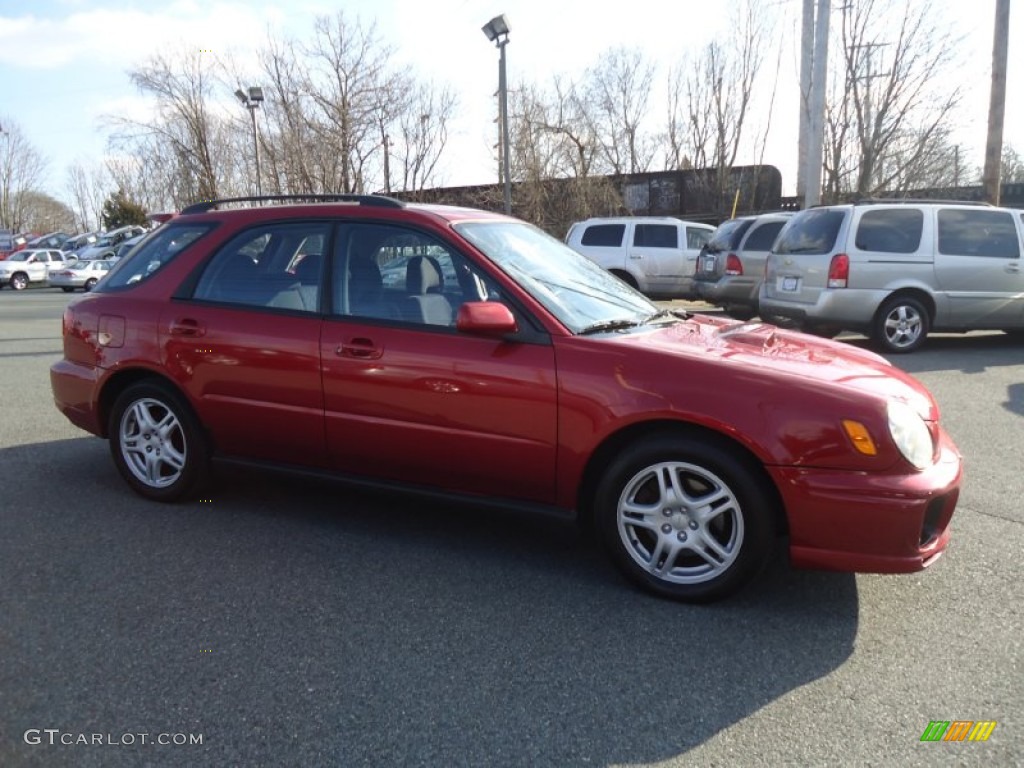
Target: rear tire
<point>901,325</point>
<point>157,442</point>
<point>90,284</point>
<point>685,518</point>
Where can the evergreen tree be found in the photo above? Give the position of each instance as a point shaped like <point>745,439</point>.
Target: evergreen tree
<point>119,211</point>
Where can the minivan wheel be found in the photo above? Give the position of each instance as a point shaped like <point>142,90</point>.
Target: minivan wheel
<point>157,443</point>
<point>901,325</point>
<point>684,518</point>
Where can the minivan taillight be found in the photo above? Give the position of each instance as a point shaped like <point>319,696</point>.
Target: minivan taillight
<point>733,266</point>
<point>839,271</point>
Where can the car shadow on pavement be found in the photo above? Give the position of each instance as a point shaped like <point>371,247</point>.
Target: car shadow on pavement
<point>302,622</point>
<point>974,352</point>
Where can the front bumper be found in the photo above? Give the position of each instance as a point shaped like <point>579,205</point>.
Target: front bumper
<point>851,521</point>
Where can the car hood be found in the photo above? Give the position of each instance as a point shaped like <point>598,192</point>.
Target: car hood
<point>779,352</point>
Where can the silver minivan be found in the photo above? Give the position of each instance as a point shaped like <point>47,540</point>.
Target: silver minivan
<point>897,269</point>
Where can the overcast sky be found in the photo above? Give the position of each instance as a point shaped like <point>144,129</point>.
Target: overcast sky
<point>64,63</point>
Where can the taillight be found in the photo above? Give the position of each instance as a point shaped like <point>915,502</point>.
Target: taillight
<point>839,271</point>
<point>733,266</point>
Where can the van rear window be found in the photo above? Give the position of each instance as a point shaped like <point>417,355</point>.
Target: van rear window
<point>811,231</point>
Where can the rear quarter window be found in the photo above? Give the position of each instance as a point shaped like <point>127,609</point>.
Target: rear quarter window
<point>982,233</point>
<point>813,231</point>
<point>763,236</point>
<point>604,235</point>
<point>152,254</point>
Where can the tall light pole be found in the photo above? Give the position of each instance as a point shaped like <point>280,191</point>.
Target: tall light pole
<point>497,32</point>
<point>252,100</point>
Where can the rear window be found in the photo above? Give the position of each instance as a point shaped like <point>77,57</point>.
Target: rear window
<point>606,235</point>
<point>153,253</point>
<point>656,236</point>
<point>812,231</point>
<point>890,231</point>
<point>978,233</point>
<point>728,235</point>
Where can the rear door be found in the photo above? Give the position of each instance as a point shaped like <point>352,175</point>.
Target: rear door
<point>978,267</point>
<point>659,250</point>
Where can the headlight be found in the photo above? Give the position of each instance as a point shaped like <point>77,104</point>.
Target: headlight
<point>910,434</point>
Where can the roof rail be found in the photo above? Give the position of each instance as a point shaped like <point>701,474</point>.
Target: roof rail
<point>917,201</point>
<point>380,201</point>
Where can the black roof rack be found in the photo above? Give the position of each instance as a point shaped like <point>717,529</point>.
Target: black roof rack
<point>916,201</point>
<point>381,201</point>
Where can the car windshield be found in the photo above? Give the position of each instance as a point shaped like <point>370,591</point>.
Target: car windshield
<point>582,295</point>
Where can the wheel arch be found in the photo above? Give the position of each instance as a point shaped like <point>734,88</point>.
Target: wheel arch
<point>121,380</point>
<point>926,299</point>
<point>614,443</point>
<point>625,276</point>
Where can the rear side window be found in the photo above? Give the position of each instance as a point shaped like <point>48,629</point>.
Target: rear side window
<point>811,231</point>
<point>728,235</point>
<point>697,237</point>
<point>656,236</point>
<point>978,233</point>
<point>159,249</point>
<point>762,237</point>
<point>606,235</point>
<point>890,231</point>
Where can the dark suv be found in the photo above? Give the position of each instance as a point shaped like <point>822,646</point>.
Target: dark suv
<point>503,368</point>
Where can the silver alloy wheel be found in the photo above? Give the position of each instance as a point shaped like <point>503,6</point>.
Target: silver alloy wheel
<point>152,443</point>
<point>19,282</point>
<point>903,326</point>
<point>680,522</point>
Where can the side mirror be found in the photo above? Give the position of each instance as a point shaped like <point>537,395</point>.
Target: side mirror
<point>486,318</point>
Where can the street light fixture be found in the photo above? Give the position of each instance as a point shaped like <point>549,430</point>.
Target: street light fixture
<point>497,32</point>
<point>251,101</point>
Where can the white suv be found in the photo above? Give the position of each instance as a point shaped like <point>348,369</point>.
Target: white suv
<point>29,266</point>
<point>896,269</point>
<point>655,254</point>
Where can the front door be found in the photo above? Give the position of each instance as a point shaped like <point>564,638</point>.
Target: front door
<point>408,398</point>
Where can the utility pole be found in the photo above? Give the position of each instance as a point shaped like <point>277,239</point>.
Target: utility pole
<point>806,60</point>
<point>816,134</point>
<point>997,103</point>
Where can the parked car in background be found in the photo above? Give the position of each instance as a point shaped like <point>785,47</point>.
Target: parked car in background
<point>731,265</point>
<point>76,243</point>
<point>24,267</point>
<point>107,244</point>
<point>82,274</point>
<point>656,255</point>
<point>54,240</point>
<point>6,243</point>
<point>897,269</point>
<point>534,379</point>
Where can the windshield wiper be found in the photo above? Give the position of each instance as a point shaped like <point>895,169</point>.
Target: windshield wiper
<point>609,325</point>
<point>674,314</point>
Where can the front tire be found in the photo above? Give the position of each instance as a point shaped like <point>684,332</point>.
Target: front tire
<point>685,518</point>
<point>19,281</point>
<point>157,443</point>
<point>901,325</point>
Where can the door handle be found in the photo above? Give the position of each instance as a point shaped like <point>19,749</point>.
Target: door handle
<point>1015,268</point>
<point>361,348</point>
<point>186,326</point>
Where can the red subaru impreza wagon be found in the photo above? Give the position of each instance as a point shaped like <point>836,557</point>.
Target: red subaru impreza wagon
<point>497,365</point>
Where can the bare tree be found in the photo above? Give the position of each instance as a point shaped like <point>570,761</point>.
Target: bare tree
<point>617,93</point>
<point>890,102</point>
<point>21,170</point>
<point>87,187</point>
<point>423,133</point>
<point>44,213</point>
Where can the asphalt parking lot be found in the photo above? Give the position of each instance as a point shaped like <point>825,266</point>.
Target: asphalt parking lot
<point>294,623</point>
